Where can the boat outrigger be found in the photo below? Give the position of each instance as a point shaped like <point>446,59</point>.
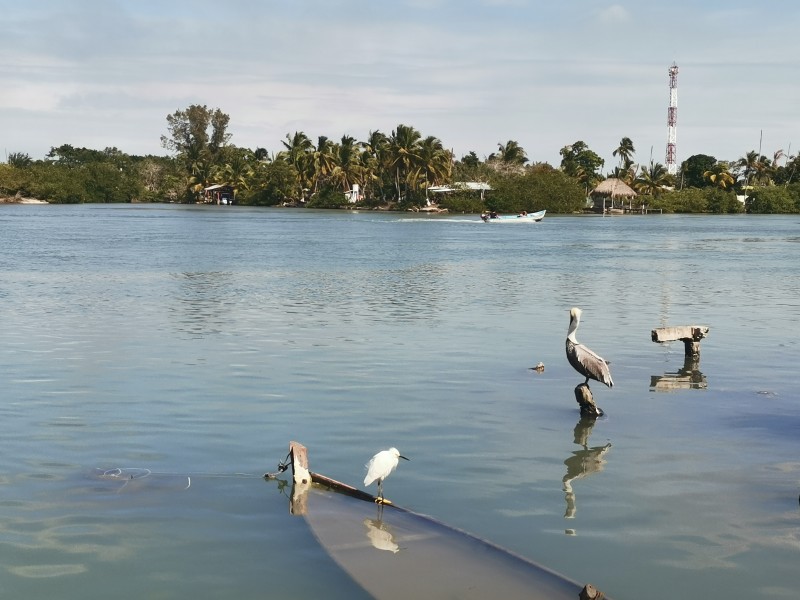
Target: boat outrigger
<point>523,217</point>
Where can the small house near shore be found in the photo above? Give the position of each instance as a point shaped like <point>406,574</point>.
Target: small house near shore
<point>611,195</point>
<point>218,194</point>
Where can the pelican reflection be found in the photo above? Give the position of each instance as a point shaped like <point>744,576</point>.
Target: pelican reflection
<point>583,462</point>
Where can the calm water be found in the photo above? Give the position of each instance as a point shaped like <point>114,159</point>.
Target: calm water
<point>189,345</point>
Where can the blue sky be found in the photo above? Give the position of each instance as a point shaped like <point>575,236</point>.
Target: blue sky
<point>474,73</point>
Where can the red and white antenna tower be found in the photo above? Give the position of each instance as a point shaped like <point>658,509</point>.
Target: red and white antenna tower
<point>672,120</point>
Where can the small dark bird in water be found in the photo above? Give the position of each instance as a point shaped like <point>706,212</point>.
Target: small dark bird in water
<point>582,359</point>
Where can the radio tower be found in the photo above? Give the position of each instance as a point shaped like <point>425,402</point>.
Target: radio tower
<point>672,119</point>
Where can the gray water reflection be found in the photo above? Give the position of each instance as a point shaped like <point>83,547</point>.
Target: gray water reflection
<point>201,301</point>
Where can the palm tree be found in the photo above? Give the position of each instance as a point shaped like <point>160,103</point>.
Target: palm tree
<point>652,180</point>
<point>201,175</point>
<point>377,145</point>
<point>779,154</point>
<point>404,156</point>
<point>755,168</point>
<point>19,159</point>
<point>625,173</point>
<point>374,163</point>
<point>298,150</point>
<point>346,170</point>
<point>199,169</point>
<point>764,171</point>
<point>471,159</point>
<point>720,176</point>
<point>509,158</point>
<point>436,163</point>
<point>238,171</point>
<point>324,161</point>
<point>625,151</point>
<point>510,153</point>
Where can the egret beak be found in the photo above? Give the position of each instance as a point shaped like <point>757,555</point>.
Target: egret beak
<point>403,457</point>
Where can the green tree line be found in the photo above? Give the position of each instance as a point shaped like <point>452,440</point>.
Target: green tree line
<point>391,170</point>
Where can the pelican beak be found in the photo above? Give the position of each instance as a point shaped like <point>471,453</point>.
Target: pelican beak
<point>403,457</point>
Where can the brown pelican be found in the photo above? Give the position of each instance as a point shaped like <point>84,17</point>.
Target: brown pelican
<point>583,360</point>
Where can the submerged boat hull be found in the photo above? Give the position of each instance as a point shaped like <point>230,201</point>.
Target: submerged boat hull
<point>395,554</point>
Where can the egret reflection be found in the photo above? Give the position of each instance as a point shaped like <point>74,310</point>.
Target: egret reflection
<point>582,463</point>
<point>380,534</point>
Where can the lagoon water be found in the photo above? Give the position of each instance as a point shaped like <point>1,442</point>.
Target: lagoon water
<point>155,361</point>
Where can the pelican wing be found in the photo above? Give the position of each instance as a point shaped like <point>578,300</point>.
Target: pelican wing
<point>588,364</point>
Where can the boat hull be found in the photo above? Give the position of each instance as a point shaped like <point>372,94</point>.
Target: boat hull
<point>395,554</point>
<point>529,218</point>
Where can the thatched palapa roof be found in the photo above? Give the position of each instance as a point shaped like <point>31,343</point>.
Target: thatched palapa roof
<point>616,188</point>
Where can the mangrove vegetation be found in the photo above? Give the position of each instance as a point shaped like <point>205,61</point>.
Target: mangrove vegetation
<point>397,170</point>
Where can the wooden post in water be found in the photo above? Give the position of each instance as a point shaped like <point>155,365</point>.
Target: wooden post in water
<point>690,335</point>
<point>299,462</point>
<point>301,476</point>
<point>586,401</point>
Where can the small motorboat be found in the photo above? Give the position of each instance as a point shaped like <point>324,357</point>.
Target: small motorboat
<point>523,217</point>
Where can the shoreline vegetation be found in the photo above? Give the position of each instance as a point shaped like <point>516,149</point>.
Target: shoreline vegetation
<point>399,171</point>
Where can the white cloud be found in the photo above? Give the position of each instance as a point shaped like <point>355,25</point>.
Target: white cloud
<point>614,14</point>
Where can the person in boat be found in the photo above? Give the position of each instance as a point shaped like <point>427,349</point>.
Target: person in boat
<point>524,213</point>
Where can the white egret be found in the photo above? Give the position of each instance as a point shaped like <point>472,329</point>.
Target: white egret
<point>381,466</point>
<point>584,361</point>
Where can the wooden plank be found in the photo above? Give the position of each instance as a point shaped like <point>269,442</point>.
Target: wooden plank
<point>690,335</point>
<point>343,488</point>
<point>684,332</point>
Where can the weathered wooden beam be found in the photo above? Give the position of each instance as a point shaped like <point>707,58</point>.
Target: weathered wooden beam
<point>343,488</point>
<point>690,335</point>
<point>299,462</point>
<point>302,479</point>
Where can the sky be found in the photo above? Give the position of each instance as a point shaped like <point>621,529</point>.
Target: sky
<point>473,73</point>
